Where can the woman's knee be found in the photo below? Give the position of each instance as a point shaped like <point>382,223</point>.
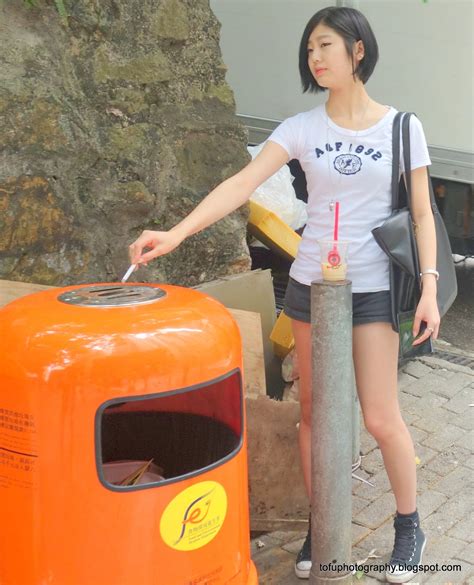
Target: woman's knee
<point>384,428</point>
<point>305,394</point>
<point>305,411</point>
<point>302,335</point>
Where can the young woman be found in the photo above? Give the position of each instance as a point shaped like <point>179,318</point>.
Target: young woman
<point>344,147</point>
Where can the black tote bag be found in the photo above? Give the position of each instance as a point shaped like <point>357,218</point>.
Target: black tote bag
<point>397,239</point>
<point>447,283</point>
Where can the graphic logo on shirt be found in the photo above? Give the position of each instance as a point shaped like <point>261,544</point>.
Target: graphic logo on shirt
<point>360,149</point>
<point>347,164</point>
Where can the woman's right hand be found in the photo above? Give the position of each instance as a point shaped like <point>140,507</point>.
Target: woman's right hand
<point>157,244</point>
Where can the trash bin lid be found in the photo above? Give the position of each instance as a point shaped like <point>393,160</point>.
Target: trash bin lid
<point>112,295</point>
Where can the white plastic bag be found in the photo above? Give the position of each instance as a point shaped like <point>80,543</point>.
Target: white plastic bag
<point>278,195</point>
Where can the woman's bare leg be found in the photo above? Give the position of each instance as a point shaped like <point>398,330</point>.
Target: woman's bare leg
<point>302,335</point>
<point>375,350</point>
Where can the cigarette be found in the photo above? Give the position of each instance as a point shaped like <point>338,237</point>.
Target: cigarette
<point>126,276</point>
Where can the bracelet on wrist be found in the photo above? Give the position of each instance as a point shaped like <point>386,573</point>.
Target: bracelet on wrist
<point>430,271</point>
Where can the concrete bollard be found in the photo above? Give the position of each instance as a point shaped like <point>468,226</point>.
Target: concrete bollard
<point>331,431</point>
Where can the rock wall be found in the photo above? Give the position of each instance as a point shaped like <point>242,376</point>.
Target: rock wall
<point>118,122</point>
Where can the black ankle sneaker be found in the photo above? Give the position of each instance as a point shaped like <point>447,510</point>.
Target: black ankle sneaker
<point>303,560</point>
<point>408,549</point>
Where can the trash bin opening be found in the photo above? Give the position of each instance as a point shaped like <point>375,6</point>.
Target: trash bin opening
<point>142,442</point>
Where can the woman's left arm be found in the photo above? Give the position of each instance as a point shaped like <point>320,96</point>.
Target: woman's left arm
<point>427,309</point>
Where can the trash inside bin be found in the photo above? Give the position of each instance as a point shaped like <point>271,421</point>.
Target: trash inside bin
<point>130,472</point>
<point>122,439</point>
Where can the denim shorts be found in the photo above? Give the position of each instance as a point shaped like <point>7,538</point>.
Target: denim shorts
<point>368,307</point>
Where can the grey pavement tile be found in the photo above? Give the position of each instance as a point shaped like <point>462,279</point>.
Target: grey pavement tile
<point>266,540</point>
<point>448,460</point>
<point>442,551</point>
<point>375,569</point>
<point>416,368</point>
<point>461,401</point>
<point>417,435</point>
<point>377,512</point>
<point>367,580</point>
<point>425,478</point>
<point>429,383</point>
<point>469,461</point>
<point>462,380</point>
<point>467,553</point>
<point>427,403</point>
<point>372,574</point>
<point>424,453</point>
<point>434,418</point>
<point>467,441</point>
<point>373,462</point>
<point>459,480</point>
<point>381,486</point>
<point>276,567</point>
<point>356,483</point>
<point>408,402</point>
<point>358,504</point>
<point>410,417</point>
<point>444,373</point>
<point>462,530</point>
<point>381,540</point>
<point>465,420</point>
<point>416,389</point>
<point>447,388</point>
<point>294,546</point>
<point>405,380</point>
<point>359,532</point>
<point>428,502</point>
<point>444,437</point>
<point>450,577</point>
<point>287,535</point>
<point>445,517</point>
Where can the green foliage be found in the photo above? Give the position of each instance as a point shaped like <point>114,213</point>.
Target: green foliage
<point>60,7</point>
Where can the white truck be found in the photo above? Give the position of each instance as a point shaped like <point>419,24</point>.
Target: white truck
<point>425,66</point>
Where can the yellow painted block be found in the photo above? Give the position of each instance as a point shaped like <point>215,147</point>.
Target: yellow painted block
<point>282,336</point>
<point>272,231</point>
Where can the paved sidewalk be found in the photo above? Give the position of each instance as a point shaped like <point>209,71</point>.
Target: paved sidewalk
<point>435,396</point>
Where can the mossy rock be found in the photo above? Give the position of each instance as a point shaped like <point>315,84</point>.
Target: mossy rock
<point>144,69</point>
<point>119,122</point>
<point>172,20</point>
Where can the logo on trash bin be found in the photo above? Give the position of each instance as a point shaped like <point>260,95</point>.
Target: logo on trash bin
<point>195,516</point>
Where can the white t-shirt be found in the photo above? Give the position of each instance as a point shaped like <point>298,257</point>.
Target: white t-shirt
<point>354,168</point>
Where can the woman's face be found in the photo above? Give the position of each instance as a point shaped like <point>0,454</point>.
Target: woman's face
<point>328,60</point>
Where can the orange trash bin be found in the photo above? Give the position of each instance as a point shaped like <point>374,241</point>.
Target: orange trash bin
<point>122,439</point>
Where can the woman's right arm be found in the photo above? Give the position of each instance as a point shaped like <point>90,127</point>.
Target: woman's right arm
<point>225,198</point>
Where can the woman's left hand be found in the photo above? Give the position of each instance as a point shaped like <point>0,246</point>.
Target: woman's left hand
<point>427,311</point>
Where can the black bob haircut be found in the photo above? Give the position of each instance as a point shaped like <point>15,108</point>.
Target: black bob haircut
<point>352,26</point>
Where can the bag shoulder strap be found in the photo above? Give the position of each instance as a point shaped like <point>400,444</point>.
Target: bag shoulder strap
<point>396,159</point>
<point>407,163</point>
<point>407,154</point>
